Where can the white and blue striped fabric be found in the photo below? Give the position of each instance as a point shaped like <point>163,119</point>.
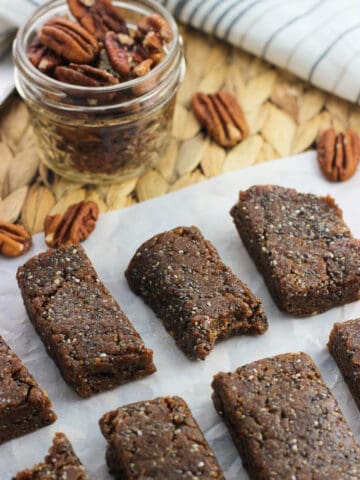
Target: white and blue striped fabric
<point>318,40</point>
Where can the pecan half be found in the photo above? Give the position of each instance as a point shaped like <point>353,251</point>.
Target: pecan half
<point>152,41</point>
<point>69,40</point>
<point>338,154</point>
<point>137,53</point>
<point>157,57</point>
<point>142,68</point>
<point>14,239</point>
<point>117,47</point>
<point>73,226</point>
<point>85,75</point>
<point>155,23</point>
<point>221,116</point>
<point>42,57</point>
<point>98,16</point>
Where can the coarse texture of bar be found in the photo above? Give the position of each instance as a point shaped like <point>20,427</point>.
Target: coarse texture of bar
<point>157,439</point>
<point>24,407</point>
<point>285,422</point>
<point>198,298</point>
<point>60,464</point>
<point>301,246</point>
<point>344,346</point>
<point>83,328</point>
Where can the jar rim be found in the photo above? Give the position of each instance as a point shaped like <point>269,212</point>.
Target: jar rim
<point>19,52</point>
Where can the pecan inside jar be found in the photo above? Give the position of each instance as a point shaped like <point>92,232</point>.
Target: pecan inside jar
<point>69,40</point>
<point>106,118</point>
<point>155,23</point>
<point>98,16</point>
<point>42,57</point>
<point>99,38</point>
<point>85,75</point>
<point>118,51</point>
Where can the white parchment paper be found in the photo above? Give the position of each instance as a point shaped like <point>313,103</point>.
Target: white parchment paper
<point>110,248</point>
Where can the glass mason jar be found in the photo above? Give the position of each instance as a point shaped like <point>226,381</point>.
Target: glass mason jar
<point>101,134</point>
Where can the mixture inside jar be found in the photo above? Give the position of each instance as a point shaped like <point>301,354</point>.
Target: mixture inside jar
<point>96,46</point>
<point>96,136</point>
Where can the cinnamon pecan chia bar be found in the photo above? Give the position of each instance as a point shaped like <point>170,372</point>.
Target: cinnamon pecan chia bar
<point>157,440</point>
<point>344,346</point>
<point>198,298</point>
<point>82,326</point>
<point>24,407</point>
<point>60,464</point>
<point>301,245</point>
<point>285,422</point>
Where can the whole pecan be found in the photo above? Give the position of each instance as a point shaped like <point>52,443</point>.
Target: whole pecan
<point>14,239</point>
<point>69,40</point>
<point>85,75</point>
<point>222,117</point>
<point>73,226</point>
<point>338,154</point>
<point>98,16</point>
<point>155,23</point>
<point>42,57</point>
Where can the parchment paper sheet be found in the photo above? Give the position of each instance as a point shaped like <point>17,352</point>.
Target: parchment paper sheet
<point>110,248</point>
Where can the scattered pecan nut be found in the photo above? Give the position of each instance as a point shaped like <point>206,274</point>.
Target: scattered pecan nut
<point>69,40</point>
<point>73,226</point>
<point>338,154</point>
<point>222,117</point>
<point>84,75</point>
<point>98,16</point>
<point>41,57</point>
<point>14,239</point>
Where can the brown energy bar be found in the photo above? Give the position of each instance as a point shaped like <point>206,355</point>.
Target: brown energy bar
<point>198,298</point>
<point>285,422</point>
<point>24,407</point>
<point>157,439</point>
<point>302,247</point>
<point>80,323</point>
<point>60,464</point>
<point>344,346</point>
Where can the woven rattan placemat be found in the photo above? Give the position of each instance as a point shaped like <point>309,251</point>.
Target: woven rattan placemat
<point>284,114</point>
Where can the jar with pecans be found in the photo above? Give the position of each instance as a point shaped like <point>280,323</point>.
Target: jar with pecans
<point>100,79</point>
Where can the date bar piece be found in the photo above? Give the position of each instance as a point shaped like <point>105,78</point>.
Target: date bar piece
<point>198,298</point>
<point>285,422</point>
<point>158,439</point>
<point>344,346</point>
<point>301,246</point>
<point>24,407</point>
<point>60,464</point>
<point>81,325</point>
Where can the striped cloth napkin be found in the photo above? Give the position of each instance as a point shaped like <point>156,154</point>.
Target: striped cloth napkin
<point>318,40</point>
